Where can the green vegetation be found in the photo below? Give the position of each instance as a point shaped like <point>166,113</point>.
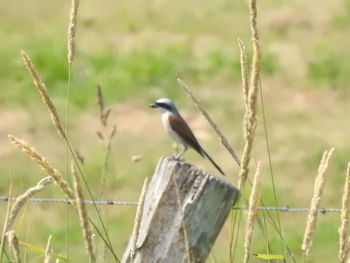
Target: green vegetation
<point>136,51</point>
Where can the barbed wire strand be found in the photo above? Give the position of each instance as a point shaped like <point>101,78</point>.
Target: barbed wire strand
<point>129,203</point>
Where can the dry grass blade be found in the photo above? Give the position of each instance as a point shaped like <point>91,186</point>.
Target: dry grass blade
<point>100,102</point>
<point>252,210</point>
<point>250,121</point>
<point>315,202</point>
<point>83,217</point>
<point>22,199</point>
<point>3,236</point>
<point>204,112</point>
<point>104,114</point>
<point>106,161</point>
<point>44,94</point>
<point>343,230</point>
<point>244,71</point>
<point>72,29</point>
<point>48,250</point>
<point>44,164</point>
<point>138,217</point>
<point>14,245</point>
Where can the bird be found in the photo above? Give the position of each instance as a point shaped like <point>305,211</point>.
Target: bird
<point>179,130</point>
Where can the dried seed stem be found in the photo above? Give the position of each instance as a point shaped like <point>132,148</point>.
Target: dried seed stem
<point>82,211</point>
<point>315,202</point>
<point>4,229</point>
<point>44,164</point>
<point>204,112</point>
<point>72,29</point>
<point>14,245</point>
<point>250,120</point>
<point>44,94</point>
<point>343,230</point>
<point>22,199</point>
<point>252,212</point>
<point>244,71</point>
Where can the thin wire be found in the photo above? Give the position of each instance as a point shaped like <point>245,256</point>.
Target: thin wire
<point>54,200</point>
<point>111,202</point>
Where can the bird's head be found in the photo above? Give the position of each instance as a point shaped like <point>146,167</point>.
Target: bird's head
<point>165,105</point>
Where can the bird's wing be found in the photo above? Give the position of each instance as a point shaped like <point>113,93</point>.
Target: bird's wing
<point>180,126</point>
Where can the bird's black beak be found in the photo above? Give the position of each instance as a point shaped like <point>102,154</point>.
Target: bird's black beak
<point>153,105</point>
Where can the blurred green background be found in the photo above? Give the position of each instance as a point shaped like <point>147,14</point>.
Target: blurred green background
<point>136,50</point>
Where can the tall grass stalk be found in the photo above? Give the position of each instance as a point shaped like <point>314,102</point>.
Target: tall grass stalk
<point>14,245</point>
<point>270,159</point>
<point>39,84</point>
<point>344,217</point>
<point>44,165</point>
<point>250,90</point>
<point>22,199</point>
<point>212,123</point>
<point>82,211</point>
<point>57,123</point>
<point>104,113</point>
<point>254,200</point>
<point>244,72</point>
<point>250,121</point>
<point>104,116</point>
<point>315,204</point>
<point>71,30</point>
<point>245,88</point>
<point>3,236</point>
<point>106,161</point>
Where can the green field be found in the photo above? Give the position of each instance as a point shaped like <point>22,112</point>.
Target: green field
<point>136,50</point>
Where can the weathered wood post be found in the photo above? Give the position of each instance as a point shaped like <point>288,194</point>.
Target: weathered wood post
<point>184,211</point>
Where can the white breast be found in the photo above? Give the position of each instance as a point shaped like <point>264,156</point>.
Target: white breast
<point>169,129</point>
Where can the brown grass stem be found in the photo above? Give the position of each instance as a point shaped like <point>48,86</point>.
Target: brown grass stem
<point>105,239</point>
<point>82,211</point>
<point>72,30</point>
<point>3,236</point>
<point>104,113</point>
<point>344,217</point>
<point>315,203</point>
<point>39,84</point>
<point>22,199</point>
<point>44,165</point>
<point>244,71</point>
<point>254,201</point>
<point>250,120</point>
<point>106,161</point>
<point>212,123</point>
<point>14,245</point>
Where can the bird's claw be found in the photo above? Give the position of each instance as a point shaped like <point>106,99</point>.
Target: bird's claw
<point>178,158</point>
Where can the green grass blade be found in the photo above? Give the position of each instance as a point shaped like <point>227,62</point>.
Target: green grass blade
<point>41,250</point>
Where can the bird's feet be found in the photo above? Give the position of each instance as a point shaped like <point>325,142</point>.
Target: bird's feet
<point>177,158</point>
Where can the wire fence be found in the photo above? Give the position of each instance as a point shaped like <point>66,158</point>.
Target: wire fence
<point>127,203</point>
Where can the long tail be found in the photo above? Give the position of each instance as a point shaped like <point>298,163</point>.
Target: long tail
<point>205,155</point>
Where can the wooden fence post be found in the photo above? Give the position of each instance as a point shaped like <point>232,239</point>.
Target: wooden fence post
<point>184,211</point>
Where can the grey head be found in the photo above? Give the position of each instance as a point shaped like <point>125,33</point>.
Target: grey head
<point>165,105</point>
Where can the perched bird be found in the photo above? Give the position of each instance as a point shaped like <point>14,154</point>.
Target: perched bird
<point>178,129</point>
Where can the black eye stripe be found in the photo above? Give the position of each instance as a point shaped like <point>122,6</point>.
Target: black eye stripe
<point>163,105</point>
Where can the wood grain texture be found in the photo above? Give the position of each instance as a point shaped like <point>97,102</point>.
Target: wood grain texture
<point>184,211</point>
